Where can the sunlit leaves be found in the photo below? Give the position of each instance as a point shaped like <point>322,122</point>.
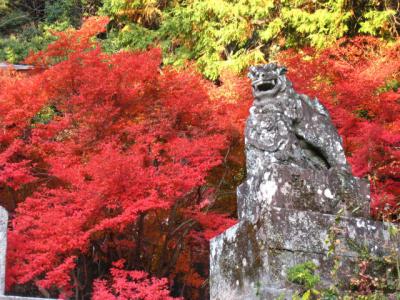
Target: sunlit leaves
<point>121,151</point>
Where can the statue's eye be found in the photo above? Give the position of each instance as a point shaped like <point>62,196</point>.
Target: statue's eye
<point>251,75</point>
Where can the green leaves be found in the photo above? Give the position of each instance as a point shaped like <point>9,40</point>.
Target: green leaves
<point>17,46</point>
<point>131,37</point>
<point>377,22</point>
<point>318,29</point>
<point>234,34</point>
<point>303,274</point>
<point>25,30</point>
<point>273,29</point>
<point>216,34</point>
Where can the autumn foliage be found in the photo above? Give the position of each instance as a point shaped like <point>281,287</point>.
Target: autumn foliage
<point>117,171</point>
<point>107,157</point>
<point>130,285</point>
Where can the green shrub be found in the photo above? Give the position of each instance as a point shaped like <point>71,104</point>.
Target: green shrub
<point>26,26</point>
<point>16,47</point>
<point>131,37</point>
<point>235,33</point>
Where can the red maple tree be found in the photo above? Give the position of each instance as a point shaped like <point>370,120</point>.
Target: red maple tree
<point>113,155</point>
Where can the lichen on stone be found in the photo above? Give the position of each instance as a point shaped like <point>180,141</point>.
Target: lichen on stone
<point>297,179</point>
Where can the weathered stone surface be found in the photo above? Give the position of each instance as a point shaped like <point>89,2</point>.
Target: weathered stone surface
<point>3,247</point>
<point>251,258</point>
<point>297,181</point>
<point>289,127</point>
<point>289,186</point>
<point>294,153</point>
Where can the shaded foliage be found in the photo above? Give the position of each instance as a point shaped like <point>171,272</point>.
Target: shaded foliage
<point>27,25</point>
<point>216,34</point>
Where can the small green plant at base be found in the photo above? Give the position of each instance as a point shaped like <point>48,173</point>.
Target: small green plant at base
<point>304,274</point>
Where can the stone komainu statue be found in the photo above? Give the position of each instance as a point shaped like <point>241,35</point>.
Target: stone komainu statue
<point>297,181</point>
<point>289,134</point>
<point>289,126</point>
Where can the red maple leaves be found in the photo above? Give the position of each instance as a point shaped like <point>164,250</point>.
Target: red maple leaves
<point>135,285</point>
<point>119,151</point>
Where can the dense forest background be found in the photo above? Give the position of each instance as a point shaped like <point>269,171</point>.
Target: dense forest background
<point>216,34</point>
<point>121,151</point>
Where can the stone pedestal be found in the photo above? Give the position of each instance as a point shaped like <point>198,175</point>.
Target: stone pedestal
<point>286,216</point>
<point>250,260</point>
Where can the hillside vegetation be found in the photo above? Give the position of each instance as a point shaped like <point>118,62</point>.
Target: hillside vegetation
<point>216,34</point>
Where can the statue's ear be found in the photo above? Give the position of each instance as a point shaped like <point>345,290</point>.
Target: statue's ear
<point>282,71</point>
<point>252,72</point>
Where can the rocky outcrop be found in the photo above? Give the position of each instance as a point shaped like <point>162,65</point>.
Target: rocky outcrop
<point>297,181</point>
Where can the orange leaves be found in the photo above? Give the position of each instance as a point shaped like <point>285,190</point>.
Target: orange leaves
<point>194,279</point>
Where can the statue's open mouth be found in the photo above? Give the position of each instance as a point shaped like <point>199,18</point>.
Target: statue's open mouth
<point>266,85</point>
